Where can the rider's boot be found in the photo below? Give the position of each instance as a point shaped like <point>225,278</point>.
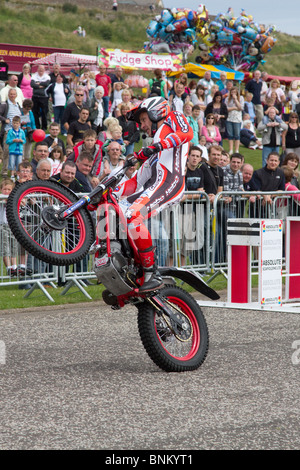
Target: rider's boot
<point>152,277</point>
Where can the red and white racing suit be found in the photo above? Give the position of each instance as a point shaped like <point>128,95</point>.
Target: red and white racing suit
<point>158,183</point>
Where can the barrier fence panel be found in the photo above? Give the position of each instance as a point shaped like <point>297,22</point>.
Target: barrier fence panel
<point>20,268</point>
<point>192,234</point>
<point>181,235</point>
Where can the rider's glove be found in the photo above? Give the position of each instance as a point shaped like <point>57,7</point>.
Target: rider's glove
<point>147,152</point>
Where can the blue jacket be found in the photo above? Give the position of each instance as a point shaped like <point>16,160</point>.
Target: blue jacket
<point>15,148</point>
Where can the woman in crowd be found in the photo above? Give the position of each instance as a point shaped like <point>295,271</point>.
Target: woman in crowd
<point>211,94</point>
<point>275,86</point>
<point>97,109</point>
<point>271,128</point>
<point>199,98</point>
<point>24,81</point>
<point>294,95</point>
<point>157,86</point>
<point>126,99</point>
<point>85,82</point>
<point>211,131</point>
<point>235,106</point>
<point>73,84</point>
<point>291,161</point>
<point>291,136</point>
<point>219,110</point>
<point>59,93</point>
<point>183,78</point>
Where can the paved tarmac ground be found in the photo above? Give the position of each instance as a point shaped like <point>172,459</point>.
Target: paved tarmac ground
<point>77,377</point>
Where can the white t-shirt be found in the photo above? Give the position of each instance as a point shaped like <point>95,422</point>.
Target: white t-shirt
<point>59,95</point>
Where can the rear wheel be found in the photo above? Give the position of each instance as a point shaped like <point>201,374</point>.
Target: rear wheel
<point>174,350</point>
<point>32,213</point>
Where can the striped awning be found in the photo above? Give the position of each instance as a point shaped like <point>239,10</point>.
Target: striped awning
<point>71,60</point>
<point>199,70</point>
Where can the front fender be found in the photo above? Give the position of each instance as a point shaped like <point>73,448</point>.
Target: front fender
<point>190,278</point>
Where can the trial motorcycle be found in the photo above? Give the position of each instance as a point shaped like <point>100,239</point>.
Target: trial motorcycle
<point>56,226</point>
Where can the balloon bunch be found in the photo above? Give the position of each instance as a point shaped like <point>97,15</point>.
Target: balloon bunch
<point>239,43</point>
<point>175,31</point>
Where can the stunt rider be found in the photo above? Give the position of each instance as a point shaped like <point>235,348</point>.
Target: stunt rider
<point>159,182</point>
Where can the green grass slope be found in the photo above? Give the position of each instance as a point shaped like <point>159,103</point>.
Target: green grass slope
<point>52,24</point>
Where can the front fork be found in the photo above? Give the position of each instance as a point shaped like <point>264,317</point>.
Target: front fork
<point>177,323</point>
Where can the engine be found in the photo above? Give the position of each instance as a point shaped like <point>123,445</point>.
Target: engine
<point>114,271</point>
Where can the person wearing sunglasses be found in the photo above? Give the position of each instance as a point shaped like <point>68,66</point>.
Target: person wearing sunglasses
<point>71,112</point>
<point>12,83</point>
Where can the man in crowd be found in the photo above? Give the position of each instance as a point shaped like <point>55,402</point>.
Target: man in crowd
<point>233,182</point>
<point>40,152</point>
<point>105,81</point>
<point>254,86</point>
<point>71,112</point>
<point>207,82</point>
<point>43,170</point>
<point>8,111</point>
<point>56,71</point>
<point>213,184</point>
<point>84,164</point>
<point>77,128</point>
<point>12,83</point>
<point>178,97</point>
<point>269,178</point>
<point>212,173</point>
<point>67,177</point>
<point>247,172</point>
<point>194,175</point>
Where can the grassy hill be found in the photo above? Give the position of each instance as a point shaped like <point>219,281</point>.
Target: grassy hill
<point>52,24</point>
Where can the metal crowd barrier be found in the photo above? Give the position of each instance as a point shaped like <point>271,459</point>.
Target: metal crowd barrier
<point>257,205</point>
<point>191,234</point>
<point>19,268</point>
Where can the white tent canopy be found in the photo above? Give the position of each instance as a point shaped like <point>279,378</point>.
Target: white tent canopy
<point>68,61</point>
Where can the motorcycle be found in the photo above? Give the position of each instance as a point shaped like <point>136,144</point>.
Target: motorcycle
<point>56,226</point>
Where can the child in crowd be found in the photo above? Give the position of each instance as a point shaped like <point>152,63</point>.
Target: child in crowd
<point>225,159</point>
<point>57,158</point>
<point>118,88</point>
<point>248,138</point>
<point>69,150</point>
<point>93,146</point>
<point>195,122</point>
<point>202,146</point>
<point>108,124</point>
<point>8,244</point>
<point>52,139</point>
<point>249,107</point>
<point>15,140</point>
<point>116,136</point>
<point>24,173</point>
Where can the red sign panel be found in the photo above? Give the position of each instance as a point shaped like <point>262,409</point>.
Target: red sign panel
<point>16,56</point>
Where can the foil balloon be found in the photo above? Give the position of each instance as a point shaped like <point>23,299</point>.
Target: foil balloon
<point>236,42</point>
<point>176,30</point>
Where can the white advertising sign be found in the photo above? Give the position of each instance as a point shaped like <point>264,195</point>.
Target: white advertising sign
<point>270,263</point>
<point>147,61</point>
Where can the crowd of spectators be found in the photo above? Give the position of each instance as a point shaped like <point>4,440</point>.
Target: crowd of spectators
<point>88,133</point>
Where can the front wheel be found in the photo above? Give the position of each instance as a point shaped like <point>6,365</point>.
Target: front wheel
<point>170,350</point>
<point>31,211</point>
